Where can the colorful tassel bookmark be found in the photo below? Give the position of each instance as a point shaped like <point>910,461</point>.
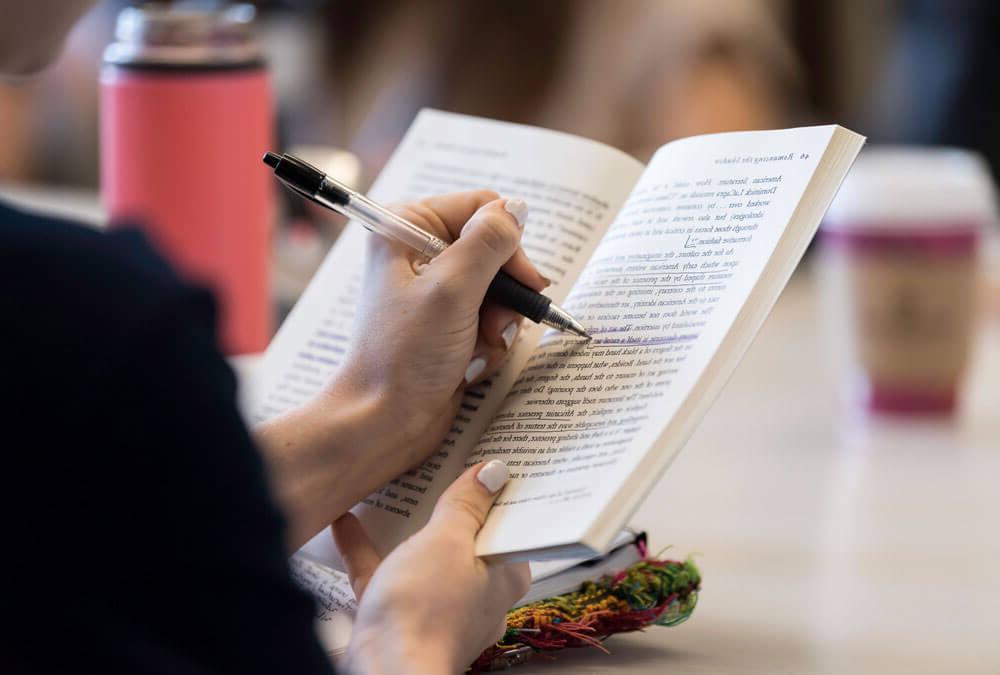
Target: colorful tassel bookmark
<point>650,592</point>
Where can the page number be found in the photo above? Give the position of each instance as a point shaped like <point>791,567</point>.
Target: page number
<point>804,155</point>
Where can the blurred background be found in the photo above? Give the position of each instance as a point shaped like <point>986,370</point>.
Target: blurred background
<point>633,74</point>
<point>351,76</point>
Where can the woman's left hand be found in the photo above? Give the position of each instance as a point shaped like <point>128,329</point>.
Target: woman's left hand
<point>423,333</point>
<point>431,606</point>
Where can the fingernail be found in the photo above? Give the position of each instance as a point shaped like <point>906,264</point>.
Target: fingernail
<point>494,475</point>
<point>475,369</point>
<point>509,333</point>
<point>519,209</point>
<point>548,282</point>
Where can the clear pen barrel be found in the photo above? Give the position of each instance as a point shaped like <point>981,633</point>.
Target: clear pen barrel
<point>389,224</point>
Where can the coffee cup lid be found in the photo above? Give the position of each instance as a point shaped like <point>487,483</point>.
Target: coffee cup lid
<point>918,188</point>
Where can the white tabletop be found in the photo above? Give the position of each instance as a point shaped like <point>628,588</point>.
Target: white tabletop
<point>826,545</point>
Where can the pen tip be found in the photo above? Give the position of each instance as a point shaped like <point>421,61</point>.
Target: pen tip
<point>272,159</point>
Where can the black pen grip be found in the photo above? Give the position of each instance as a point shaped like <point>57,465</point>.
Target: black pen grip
<point>511,293</point>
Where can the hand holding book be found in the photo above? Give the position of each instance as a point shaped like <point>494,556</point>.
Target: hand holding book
<point>432,606</point>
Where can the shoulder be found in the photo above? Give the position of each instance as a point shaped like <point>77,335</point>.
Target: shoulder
<point>50,250</point>
<point>84,282</point>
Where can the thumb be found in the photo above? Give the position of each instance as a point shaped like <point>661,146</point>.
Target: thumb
<point>487,241</point>
<point>466,502</point>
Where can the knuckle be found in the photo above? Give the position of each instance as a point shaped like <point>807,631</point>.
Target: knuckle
<point>421,213</point>
<point>401,208</point>
<point>424,213</point>
<point>497,234</point>
<point>487,195</point>
<point>468,508</point>
<point>520,579</point>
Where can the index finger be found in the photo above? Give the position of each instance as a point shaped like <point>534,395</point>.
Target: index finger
<point>455,210</point>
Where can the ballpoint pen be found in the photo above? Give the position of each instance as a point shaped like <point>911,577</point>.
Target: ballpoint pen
<point>315,185</point>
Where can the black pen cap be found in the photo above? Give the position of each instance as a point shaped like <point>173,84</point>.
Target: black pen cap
<point>306,179</point>
<point>272,160</point>
<point>302,176</point>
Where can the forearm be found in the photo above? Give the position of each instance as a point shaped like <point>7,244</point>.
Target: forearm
<point>321,458</point>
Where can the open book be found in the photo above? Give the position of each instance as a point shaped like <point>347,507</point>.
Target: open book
<point>672,267</point>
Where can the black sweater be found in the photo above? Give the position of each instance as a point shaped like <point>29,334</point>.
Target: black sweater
<point>140,536</point>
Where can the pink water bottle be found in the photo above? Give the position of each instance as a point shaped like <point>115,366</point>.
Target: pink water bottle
<point>186,113</point>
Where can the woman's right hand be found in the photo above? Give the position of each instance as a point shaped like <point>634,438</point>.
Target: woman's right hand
<point>425,333</point>
<point>431,606</point>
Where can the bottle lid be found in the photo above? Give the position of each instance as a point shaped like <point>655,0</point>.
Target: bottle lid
<point>185,35</point>
<point>901,188</point>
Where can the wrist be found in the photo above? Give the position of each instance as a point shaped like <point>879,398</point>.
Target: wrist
<point>312,455</point>
<point>363,417</point>
<point>397,417</point>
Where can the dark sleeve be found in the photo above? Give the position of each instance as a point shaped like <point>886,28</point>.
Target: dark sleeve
<point>143,537</point>
<point>212,540</point>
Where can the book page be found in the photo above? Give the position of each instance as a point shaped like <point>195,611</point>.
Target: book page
<point>335,604</point>
<point>660,293</point>
<point>573,188</point>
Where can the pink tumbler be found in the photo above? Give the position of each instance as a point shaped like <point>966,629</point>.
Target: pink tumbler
<point>186,114</point>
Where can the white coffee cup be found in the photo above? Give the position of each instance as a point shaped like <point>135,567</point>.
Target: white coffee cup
<point>900,244</point>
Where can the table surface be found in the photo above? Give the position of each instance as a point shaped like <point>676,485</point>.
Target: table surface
<point>828,543</point>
